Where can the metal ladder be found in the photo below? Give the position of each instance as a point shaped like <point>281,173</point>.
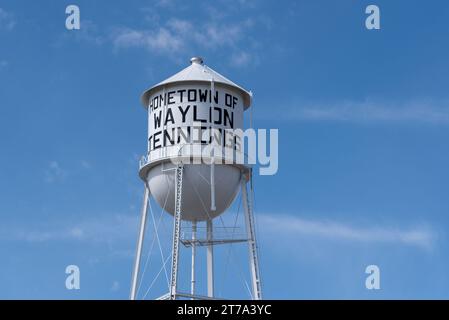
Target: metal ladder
<point>176,231</point>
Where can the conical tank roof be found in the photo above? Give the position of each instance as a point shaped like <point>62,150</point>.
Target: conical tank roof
<point>198,72</point>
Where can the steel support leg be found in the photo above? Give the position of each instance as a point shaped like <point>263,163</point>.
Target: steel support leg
<point>252,244</point>
<point>192,284</point>
<point>210,260</point>
<point>140,239</point>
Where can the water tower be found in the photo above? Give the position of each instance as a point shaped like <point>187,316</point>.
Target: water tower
<point>187,114</point>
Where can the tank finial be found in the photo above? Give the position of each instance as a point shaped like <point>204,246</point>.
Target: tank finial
<point>197,60</point>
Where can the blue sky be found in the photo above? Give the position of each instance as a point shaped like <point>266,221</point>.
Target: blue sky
<point>363,119</point>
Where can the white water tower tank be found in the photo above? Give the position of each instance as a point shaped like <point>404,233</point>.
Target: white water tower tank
<point>195,95</point>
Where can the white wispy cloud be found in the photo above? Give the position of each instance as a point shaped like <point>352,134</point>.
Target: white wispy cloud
<point>165,3</point>
<point>7,21</point>
<point>177,36</point>
<point>162,40</point>
<point>86,164</point>
<point>90,33</point>
<point>241,58</point>
<point>295,227</point>
<point>213,29</point>
<point>102,229</point>
<point>431,112</point>
<point>121,229</point>
<point>115,286</point>
<point>54,172</point>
